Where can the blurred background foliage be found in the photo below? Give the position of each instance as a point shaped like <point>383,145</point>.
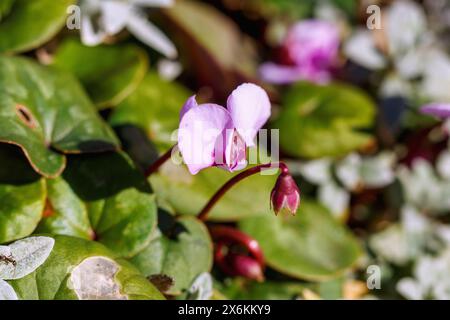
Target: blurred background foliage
<point>80,122</point>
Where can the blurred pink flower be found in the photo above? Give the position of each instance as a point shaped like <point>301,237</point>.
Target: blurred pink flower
<point>441,110</point>
<point>311,47</point>
<point>210,135</point>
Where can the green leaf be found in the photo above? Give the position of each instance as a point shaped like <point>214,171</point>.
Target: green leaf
<point>105,276</point>
<point>181,249</point>
<point>5,8</point>
<point>311,245</point>
<point>188,194</point>
<point>46,113</point>
<point>22,194</point>
<point>102,197</point>
<point>318,121</point>
<point>154,107</point>
<point>109,73</point>
<point>28,24</point>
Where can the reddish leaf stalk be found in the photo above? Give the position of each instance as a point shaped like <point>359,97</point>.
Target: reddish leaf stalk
<point>159,162</point>
<point>203,214</point>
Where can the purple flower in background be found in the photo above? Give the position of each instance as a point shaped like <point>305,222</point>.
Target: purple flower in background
<point>441,110</point>
<point>311,47</point>
<point>210,135</point>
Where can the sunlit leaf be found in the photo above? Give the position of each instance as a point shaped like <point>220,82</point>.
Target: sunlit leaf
<point>311,245</point>
<point>109,73</point>
<point>46,113</point>
<point>25,25</point>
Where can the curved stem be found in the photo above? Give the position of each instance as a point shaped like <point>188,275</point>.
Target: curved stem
<point>203,214</point>
<point>159,162</point>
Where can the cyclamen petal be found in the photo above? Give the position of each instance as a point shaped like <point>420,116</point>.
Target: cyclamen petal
<point>188,105</point>
<point>312,48</point>
<point>234,157</point>
<point>279,74</point>
<point>200,128</point>
<point>249,107</point>
<point>114,15</point>
<point>441,110</point>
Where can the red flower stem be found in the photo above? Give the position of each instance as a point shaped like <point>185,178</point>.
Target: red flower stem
<point>203,214</point>
<point>230,236</point>
<point>159,162</point>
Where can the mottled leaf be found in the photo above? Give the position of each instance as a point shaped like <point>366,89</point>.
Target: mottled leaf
<point>46,113</point>
<point>54,279</point>
<point>24,256</point>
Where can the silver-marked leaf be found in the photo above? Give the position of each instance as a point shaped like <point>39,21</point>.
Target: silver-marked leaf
<point>7,292</point>
<point>25,256</point>
<point>201,288</point>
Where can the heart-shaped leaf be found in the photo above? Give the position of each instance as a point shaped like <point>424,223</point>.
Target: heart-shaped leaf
<point>102,197</point>
<point>181,249</point>
<point>153,107</point>
<point>22,194</point>
<point>7,292</point>
<point>187,194</point>
<point>24,256</point>
<point>311,245</point>
<point>26,25</point>
<point>73,260</point>
<point>109,73</point>
<point>43,110</point>
<point>319,121</point>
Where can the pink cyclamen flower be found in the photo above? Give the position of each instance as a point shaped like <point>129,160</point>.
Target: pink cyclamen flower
<point>441,110</point>
<point>285,196</point>
<point>312,48</point>
<point>211,135</point>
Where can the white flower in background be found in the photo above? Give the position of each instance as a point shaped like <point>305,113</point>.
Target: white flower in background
<point>423,188</point>
<point>443,164</point>
<point>431,278</point>
<point>361,48</point>
<point>412,49</point>
<point>401,242</point>
<point>413,236</point>
<point>103,18</point>
<point>436,81</point>
<point>353,173</point>
<point>405,24</point>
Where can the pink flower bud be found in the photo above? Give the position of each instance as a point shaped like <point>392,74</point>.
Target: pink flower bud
<point>285,196</point>
<point>244,266</point>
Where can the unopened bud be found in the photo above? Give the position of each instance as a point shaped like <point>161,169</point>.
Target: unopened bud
<point>285,196</point>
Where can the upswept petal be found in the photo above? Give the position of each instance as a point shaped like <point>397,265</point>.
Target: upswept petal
<point>200,128</point>
<point>114,15</point>
<point>441,110</point>
<point>249,107</point>
<point>279,74</point>
<point>188,105</point>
